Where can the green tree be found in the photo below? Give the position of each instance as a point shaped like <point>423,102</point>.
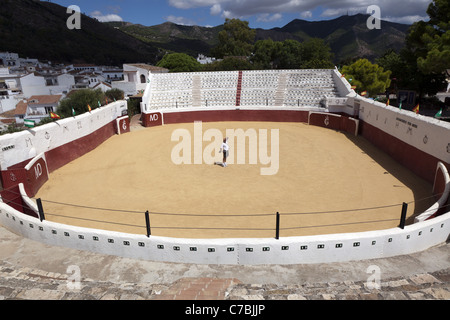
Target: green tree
<point>133,106</point>
<point>427,52</point>
<point>392,61</point>
<point>266,54</point>
<point>229,64</point>
<point>79,100</point>
<point>115,94</point>
<point>367,77</point>
<point>436,38</point>
<point>236,39</point>
<point>315,54</point>
<point>291,54</point>
<point>438,55</point>
<point>179,62</point>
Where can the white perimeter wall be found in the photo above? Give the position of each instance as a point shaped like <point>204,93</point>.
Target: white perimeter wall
<point>289,250</point>
<point>427,134</point>
<point>25,145</point>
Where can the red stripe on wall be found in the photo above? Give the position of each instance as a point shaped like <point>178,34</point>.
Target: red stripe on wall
<point>239,90</point>
<point>418,161</point>
<point>58,157</point>
<point>236,115</point>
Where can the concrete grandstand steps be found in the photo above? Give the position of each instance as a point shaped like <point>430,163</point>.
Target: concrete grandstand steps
<point>281,90</point>
<point>197,91</point>
<point>289,88</point>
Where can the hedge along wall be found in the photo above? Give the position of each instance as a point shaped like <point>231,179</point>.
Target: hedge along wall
<point>59,143</point>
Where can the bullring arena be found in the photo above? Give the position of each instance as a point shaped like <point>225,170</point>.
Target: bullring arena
<point>320,170</point>
<point>348,178</point>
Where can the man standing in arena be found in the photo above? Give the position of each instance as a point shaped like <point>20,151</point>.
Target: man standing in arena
<point>226,150</point>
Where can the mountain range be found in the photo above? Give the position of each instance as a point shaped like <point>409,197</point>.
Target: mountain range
<point>38,29</point>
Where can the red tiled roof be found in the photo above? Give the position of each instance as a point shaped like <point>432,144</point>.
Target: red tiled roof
<point>21,108</point>
<point>45,99</point>
<point>148,67</point>
<point>7,121</point>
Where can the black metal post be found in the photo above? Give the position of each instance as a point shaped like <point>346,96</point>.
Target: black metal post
<point>147,223</point>
<point>403,217</point>
<point>40,209</point>
<point>277,233</point>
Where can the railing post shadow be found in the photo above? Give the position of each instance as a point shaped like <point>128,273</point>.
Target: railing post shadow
<point>40,209</point>
<point>403,216</point>
<point>277,229</point>
<point>147,223</point>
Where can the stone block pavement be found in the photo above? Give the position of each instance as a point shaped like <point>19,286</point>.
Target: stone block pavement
<point>31,284</point>
<point>33,271</point>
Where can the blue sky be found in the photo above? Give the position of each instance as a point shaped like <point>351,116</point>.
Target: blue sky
<point>260,13</point>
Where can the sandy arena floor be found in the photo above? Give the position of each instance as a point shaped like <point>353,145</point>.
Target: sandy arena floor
<point>319,170</point>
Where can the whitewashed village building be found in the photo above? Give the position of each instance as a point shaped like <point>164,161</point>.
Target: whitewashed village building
<point>36,108</point>
<point>46,84</point>
<point>30,89</point>
<point>136,77</point>
<point>9,59</point>
<point>10,91</point>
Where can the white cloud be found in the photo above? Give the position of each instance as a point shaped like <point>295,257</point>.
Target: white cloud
<point>407,19</point>
<point>180,20</point>
<point>343,11</point>
<point>266,17</point>
<point>306,14</point>
<point>401,10</point>
<point>189,4</point>
<point>216,9</point>
<point>105,17</point>
<point>229,15</point>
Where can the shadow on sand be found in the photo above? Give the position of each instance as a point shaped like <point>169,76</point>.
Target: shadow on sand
<point>421,188</point>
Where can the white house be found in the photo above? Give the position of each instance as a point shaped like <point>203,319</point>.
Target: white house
<point>86,67</point>
<point>9,81</point>
<point>202,59</point>
<point>113,75</point>
<point>51,84</point>
<point>104,86</point>
<point>10,93</point>
<point>36,108</point>
<point>136,77</point>
<point>9,59</point>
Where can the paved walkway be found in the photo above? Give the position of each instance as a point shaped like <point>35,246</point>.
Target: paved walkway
<point>34,271</point>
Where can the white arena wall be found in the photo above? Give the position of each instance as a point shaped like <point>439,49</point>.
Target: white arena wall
<point>286,250</point>
<point>415,141</point>
<point>25,145</point>
<point>289,250</point>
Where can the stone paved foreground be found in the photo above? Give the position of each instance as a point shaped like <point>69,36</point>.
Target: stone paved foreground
<point>31,284</point>
<point>30,270</point>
